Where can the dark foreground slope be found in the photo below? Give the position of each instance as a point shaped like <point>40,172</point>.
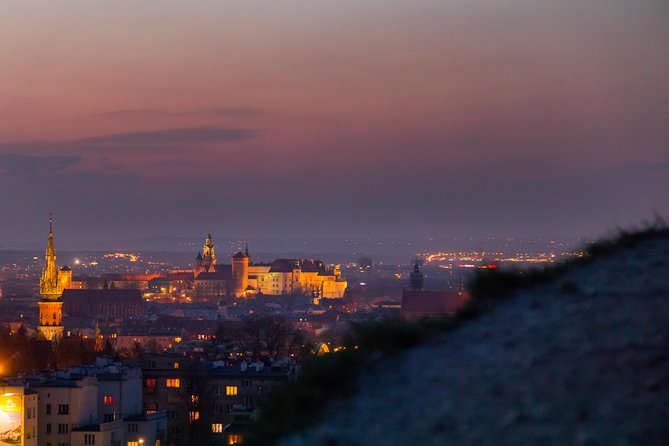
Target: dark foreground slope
<point>582,360</point>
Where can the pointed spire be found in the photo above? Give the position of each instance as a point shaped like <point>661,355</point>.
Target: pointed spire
<point>49,285</point>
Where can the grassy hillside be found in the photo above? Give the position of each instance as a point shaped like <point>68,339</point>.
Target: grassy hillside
<point>326,381</point>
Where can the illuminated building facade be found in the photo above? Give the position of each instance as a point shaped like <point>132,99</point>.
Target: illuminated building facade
<point>18,416</point>
<point>51,289</point>
<point>240,273</point>
<point>292,277</point>
<point>307,277</point>
<point>98,405</point>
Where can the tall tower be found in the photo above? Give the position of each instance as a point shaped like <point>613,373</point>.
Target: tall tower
<point>50,289</point>
<point>206,258</point>
<point>416,277</point>
<point>208,250</point>
<point>240,274</point>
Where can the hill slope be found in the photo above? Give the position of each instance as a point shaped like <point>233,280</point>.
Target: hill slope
<point>583,360</point>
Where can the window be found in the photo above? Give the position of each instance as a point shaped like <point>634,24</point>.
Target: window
<point>173,382</point>
<point>63,409</point>
<point>234,439</point>
<point>231,390</point>
<point>247,383</point>
<point>48,409</point>
<point>217,428</point>
<point>48,428</point>
<point>109,417</point>
<point>193,415</point>
<point>133,443</point>
<point>132,428</point>
<point>194,399</point>
<point>108,400</point>
<point>176,365</point>
<point>63,428</point>
<point>151,383</point>
<point>89,438</point>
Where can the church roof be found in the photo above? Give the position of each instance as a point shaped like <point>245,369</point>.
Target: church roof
<point>131,277</point>
<point>312,266</point>
<point>215,275</point>
<point>431,303</point>
<point>220,268</point>
<point>113,296</point>
<point>282,266</point>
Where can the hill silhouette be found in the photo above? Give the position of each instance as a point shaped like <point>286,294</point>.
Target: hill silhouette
<point>575,355</point>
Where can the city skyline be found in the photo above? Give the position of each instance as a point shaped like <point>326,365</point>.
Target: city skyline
<point>295,119</point>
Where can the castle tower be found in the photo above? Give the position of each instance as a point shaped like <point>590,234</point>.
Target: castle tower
<point>50,289</point>
<point>240,274</point>
<point>206,258</point>
<point>208,251</point>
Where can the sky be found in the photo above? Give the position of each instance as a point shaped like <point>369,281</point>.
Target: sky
<point>354,118</point>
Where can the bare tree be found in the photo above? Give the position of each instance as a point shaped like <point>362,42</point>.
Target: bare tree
<point>264,336</point>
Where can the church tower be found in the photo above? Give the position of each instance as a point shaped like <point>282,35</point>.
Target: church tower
<point>50,289</point>
<point>416,277</point>
<point>205,259</point>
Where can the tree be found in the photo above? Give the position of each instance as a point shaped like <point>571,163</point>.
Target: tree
<point>265,336</point>
<point>69,352</point>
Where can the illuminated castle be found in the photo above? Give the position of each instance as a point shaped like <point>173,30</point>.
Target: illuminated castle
<point>51,289</point>
<point>244,278</point>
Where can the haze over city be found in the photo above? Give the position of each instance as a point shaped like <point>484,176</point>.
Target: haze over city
<point>341,119</point>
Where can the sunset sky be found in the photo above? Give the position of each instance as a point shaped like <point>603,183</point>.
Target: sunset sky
<point>379,118</point>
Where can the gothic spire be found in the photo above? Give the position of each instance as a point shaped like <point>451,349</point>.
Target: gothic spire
<point>49,285</point>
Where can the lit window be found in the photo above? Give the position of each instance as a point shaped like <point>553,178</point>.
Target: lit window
<point>173,382</point>
<point>133,443</point>
<point>217,428</point>
<point>231,390</point>
<point>151,383</point>
<point>108,400</point>
<point>176,365</point>
<point>234,439</point>
<point>194,415</point>
<point>194,399</point>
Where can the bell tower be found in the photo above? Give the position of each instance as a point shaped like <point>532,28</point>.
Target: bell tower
<point>50,289</point>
